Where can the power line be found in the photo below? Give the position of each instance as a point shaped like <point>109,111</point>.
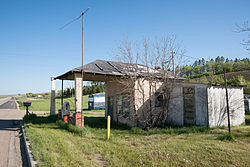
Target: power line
<point>82,60</point>
<point>65,25</point>
<point>81,16</point>
<point>191,57</point>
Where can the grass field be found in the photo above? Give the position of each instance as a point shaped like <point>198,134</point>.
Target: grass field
<point>245,74</point>
<point>3,96</point>
<point>230,75</point>
<point>60,144</point>
<point>44,104</point>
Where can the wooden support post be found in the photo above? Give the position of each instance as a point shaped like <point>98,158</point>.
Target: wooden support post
<point>53,97</point>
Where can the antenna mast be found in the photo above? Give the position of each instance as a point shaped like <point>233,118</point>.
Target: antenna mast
<point>82,15</point>
<point>82,56</point>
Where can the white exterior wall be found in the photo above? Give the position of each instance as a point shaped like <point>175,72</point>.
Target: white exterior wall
<point>210,104</point>
<point>217,114</point>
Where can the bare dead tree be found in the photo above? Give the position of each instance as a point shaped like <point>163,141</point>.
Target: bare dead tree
<point>149,77</point>
<point>244,28</point>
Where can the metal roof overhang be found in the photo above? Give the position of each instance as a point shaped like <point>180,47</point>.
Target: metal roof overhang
<point>101,70</point>
<point>89,76</point>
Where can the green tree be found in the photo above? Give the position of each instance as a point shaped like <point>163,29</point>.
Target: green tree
<point>238,80</point>
<point>197,69</point>
<point>228,66</point>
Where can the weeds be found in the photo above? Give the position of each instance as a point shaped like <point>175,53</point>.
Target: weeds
<point>227,136</point>
<point>247,116</point>
<point>170,130</point>
<point>29,118</point>
<point>34,119</point>
<point>73,129</point>
<point>57,143</point>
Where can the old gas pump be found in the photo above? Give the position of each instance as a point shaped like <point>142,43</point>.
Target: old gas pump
<point>66,111</point>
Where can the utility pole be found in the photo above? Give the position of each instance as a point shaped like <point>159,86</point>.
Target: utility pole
<point>173,61</point>
<point>82,57</point>
<point>228,114</point>
<point>82,15</point>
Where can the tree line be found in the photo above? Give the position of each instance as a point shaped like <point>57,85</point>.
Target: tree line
<point>94,87</point>
<point>204,67</point>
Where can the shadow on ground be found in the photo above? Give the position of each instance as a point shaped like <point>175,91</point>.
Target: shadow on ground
<point>14,125</point>
<point>9,125</point>
<point>100,123</point>
<point>247,116</point>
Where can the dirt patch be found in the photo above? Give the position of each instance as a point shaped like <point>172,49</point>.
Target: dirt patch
<point>31,99</point>
<point>97,158</point>
<point>95,112</point>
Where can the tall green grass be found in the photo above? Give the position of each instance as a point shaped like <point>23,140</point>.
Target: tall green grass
<point>55,143</point>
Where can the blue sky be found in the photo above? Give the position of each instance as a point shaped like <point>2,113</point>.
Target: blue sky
<point>33,48</point>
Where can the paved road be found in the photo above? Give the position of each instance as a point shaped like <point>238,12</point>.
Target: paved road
<point>8,103</point>
<point>11,153</point>
<point>3,100</point>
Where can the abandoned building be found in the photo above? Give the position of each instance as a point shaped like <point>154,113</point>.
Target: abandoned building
<point>131,98</point>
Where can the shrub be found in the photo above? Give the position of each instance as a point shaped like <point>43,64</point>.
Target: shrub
<point>219,72</point>
<point>238,80</point>
<point>61,124</point>
<point>73,129</point>
<point>34,119</point>
<point>217,80</point>
<point>29,118</point>
<point>247,89</point>
<point>200,75</point>
<point>227,136</point>
<point>170,130</point>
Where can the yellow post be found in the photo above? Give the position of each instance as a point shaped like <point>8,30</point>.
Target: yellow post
<point>108,128</point>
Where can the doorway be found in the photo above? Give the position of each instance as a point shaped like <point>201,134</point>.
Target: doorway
<point>189,105</point>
